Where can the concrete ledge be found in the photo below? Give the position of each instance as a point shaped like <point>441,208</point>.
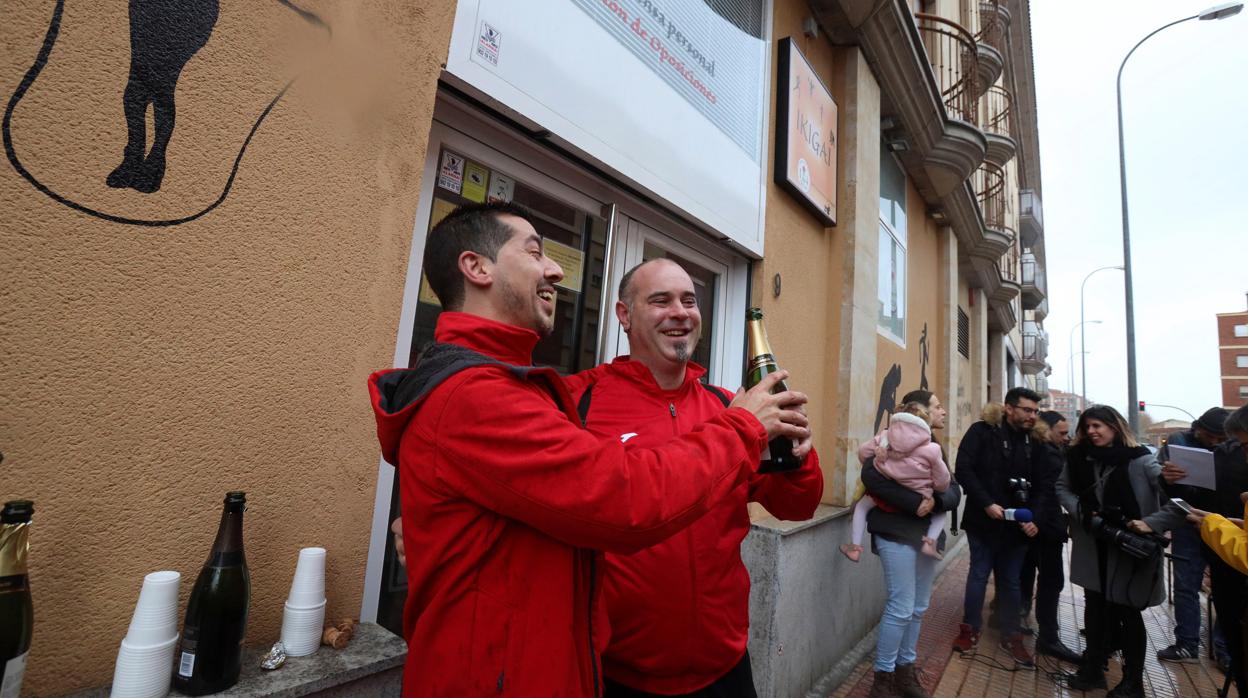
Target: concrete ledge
<point>372,665</point>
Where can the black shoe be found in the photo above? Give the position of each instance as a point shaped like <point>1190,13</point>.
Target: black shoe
<point>1129,687</point>
<point>1057,650</point>
<point>1178,654</point>
<point>1085,681</point>
<point>1224,664</point>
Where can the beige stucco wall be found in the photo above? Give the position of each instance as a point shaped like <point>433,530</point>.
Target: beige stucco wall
<point>802,320</point>
<point>147,370</point>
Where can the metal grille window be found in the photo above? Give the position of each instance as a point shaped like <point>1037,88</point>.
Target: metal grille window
<point>964,334</point>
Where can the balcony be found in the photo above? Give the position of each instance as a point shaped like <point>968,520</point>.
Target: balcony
<point>1042,384</point>
<point>953,53</point>
<point>995,266</point>
<point>1034,286</point>
<point>1031,217</point>
<point>992,21</point>
<point>1035,348</point>
<point>998,126</point>
<point>1041,311</point>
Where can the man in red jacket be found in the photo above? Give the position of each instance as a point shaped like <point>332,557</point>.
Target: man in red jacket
<point>678,610</point>
<point>503,493</point>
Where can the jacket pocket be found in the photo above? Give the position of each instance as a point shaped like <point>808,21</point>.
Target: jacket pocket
<point>493,644</point>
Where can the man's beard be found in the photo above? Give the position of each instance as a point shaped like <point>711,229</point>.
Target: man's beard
<point>516,304</point>
<point>682,352</point>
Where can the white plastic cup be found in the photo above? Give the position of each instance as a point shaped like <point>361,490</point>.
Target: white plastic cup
<point>155,618</point>
<point>302,629</point>
<point>143,671</point>
<point>307,589</point>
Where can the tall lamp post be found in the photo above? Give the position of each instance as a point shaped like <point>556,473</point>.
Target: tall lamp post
<point>1070,344</point>
<point>1216,12</point>
<point>1083,361</point>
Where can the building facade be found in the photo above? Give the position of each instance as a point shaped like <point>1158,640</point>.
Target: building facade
<point>1068,404</point>
<point>1233,358</point>
<point>202,317</point>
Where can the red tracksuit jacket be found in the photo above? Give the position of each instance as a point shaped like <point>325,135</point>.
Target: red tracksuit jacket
<point>505,499</point>
<point>679,610</point>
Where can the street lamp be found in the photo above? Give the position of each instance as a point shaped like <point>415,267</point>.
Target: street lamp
<point>1083,362</point>
<point>1071,362</point>
<point>1180,409</point>
<point>1216,12</point>
<point>1070,344</point>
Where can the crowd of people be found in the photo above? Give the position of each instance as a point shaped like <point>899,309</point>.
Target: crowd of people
<point>580,535</point>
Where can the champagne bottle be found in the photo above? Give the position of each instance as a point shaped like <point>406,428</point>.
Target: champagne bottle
<point>778,456</point>
<point>17,615</point>
<point>210,652</point>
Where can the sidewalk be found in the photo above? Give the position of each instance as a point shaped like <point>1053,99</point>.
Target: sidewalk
<point>988,672</point>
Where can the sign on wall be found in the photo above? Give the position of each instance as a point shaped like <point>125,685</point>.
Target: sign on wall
<point>805,134</point>
<point>667,94</point>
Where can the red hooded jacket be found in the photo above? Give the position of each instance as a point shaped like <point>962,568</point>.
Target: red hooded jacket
<point>680,610</point>
<point>505,498</point>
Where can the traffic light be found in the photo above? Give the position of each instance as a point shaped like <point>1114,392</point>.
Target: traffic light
<point>1141,405</point>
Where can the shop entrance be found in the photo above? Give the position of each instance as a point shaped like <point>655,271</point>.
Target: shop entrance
<point>595,231</point>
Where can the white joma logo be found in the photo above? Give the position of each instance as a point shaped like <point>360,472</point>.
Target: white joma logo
<point>625,437</point>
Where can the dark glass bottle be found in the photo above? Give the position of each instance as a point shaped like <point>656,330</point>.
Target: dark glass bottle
<point>17,614</point>
<point>210,653</point>
<point>778,457</point>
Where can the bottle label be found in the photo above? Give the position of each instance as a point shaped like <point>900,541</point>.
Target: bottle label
<point>186,665</point>
<point>14,670</point>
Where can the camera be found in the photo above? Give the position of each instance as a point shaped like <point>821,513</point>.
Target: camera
<point>1020,490</point>
<point>1110,527</point>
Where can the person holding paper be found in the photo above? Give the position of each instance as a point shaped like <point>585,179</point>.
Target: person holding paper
<point>1231,471</point>
<point>1189,562</point>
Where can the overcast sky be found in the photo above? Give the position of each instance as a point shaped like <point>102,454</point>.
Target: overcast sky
<point>1185,107</point>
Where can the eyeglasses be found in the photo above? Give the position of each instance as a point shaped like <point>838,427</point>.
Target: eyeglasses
<point>1026,410</point>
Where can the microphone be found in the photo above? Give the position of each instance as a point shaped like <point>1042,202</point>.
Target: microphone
<point>1019,515</point>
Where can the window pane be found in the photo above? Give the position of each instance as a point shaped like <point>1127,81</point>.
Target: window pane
<point>1241,361</point>
<point>892,285</point>
<point>892,193</point>
<point>1241,330</point>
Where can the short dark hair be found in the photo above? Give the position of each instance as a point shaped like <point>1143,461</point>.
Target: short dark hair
<point>1052,417</point>
<point>1021,393</point>
<point>923,397</point>
<point>1237,421</point>
<point>472,227</point>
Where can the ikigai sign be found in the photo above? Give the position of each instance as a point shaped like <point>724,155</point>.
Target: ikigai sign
<point>805,134</point>
<point>667,94</point>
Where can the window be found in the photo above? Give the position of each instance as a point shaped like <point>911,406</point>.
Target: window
<point>892,278</point>
<point>1241,361</point>
<point>1243,391</point>
<point>1241,330</point>
<point>964,333</point>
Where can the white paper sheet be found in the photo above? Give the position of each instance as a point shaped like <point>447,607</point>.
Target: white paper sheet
<point>1197,462</point>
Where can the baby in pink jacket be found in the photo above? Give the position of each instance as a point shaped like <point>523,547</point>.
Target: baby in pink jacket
<point>904,453</point>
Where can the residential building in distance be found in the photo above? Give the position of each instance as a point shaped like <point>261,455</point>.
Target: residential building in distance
<point>1157,433</point>
<point>1068,404</point>
<point>1233,355</point>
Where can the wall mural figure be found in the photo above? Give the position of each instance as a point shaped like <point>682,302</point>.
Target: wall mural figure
<point>164,35</point>
<point>923,359</point>
<point>888,395</point>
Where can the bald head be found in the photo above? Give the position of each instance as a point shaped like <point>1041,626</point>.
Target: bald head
<point>627,286</point>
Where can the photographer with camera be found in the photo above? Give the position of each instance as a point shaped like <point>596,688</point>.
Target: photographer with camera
<point>1110,487</point>
<point>1007,474</point>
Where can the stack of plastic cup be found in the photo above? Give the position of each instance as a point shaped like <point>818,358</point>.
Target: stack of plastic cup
<point>304,616</point>
<point>145,661</point>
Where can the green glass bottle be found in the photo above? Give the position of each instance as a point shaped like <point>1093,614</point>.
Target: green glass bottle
<point>17,614</point>
<point>210,654</point>
<point>778,457</point>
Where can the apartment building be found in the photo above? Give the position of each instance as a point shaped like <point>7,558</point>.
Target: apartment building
<point>1233,358</point>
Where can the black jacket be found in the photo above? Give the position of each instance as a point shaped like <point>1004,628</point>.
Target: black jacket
<point>902,526</point>
<point>992,453</point>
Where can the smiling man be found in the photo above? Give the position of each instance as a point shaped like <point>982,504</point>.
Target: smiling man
<point>679,610</point>
<point>506,498</point>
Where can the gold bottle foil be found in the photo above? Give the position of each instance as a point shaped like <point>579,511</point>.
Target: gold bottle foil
<point>14,547</point>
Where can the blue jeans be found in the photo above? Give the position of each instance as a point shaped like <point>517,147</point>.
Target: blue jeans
<point>1188,575</point>
<point>908,576</point>
<point>1001,556</point>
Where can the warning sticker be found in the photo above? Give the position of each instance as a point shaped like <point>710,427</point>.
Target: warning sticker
<point>502,187</point>
<point>451,174</point>
<point>488,43</point>
<point>474,182</point>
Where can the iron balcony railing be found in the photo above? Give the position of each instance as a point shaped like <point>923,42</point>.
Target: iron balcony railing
<point>1008,265</point>
<point>952,52</point>
<point>998,112</point>
<point>989,181</point>
<point>991,27</point>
